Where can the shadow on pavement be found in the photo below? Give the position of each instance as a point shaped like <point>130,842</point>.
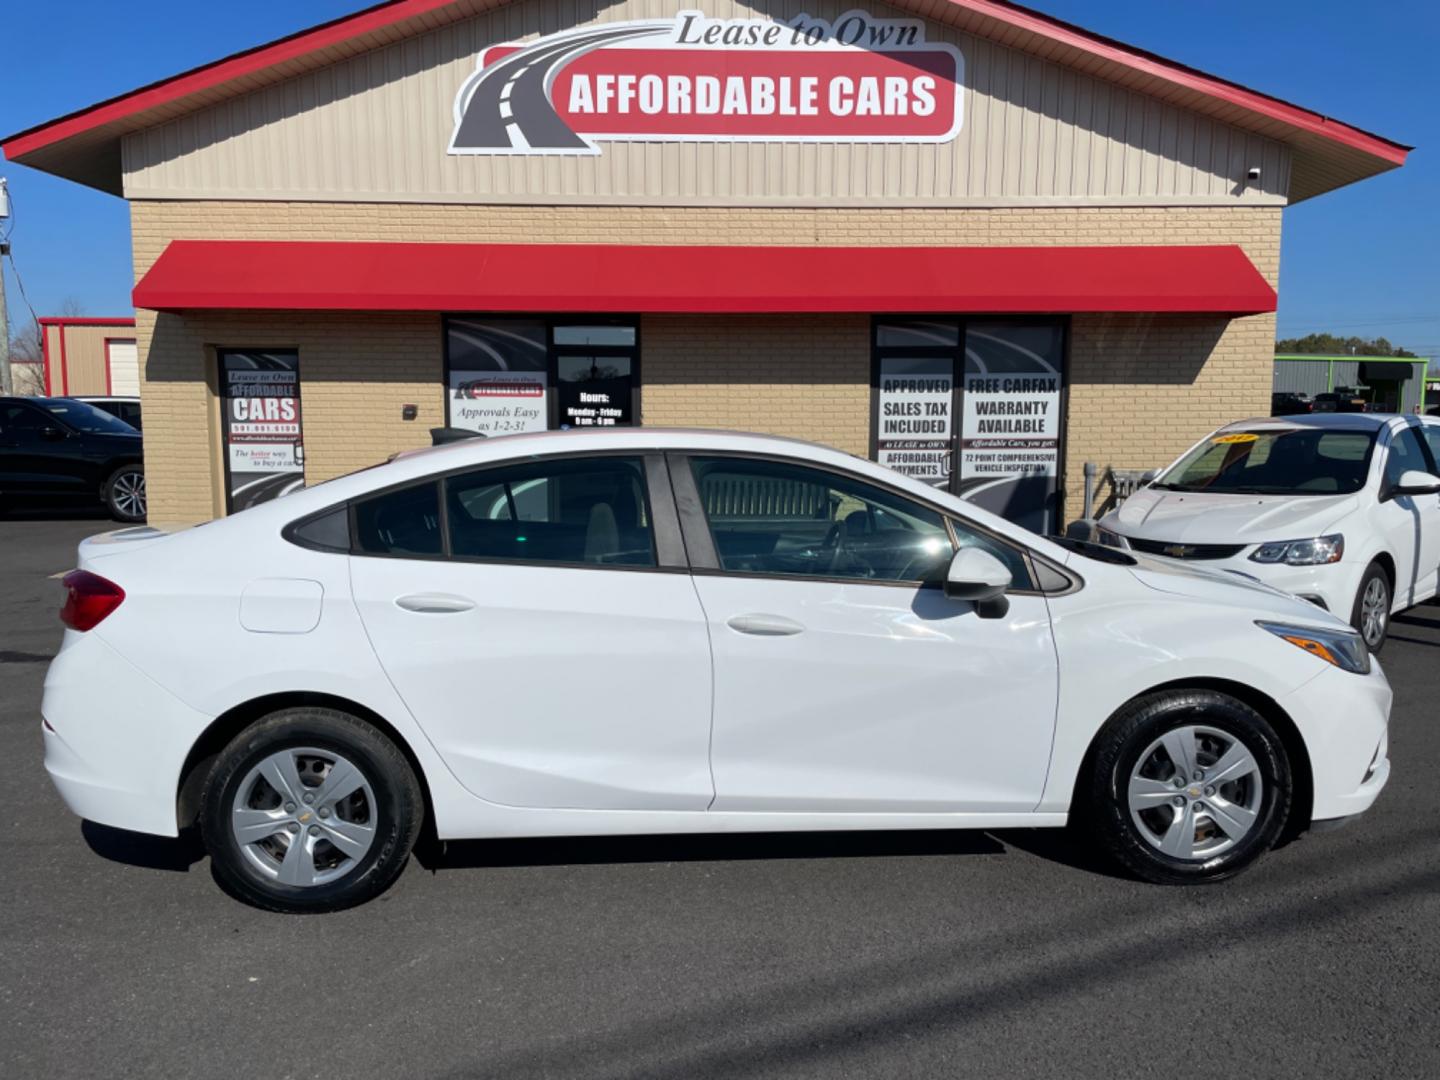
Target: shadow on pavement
<point>823,1025</point>
<point>568,851</point>
<point>58,512</point>
<point>139,849</point>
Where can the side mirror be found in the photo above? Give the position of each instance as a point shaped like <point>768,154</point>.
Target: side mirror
<point>979,577</point>
<point>1415,482</point>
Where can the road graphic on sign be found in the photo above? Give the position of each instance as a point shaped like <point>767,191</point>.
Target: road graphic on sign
<point>506,107</point>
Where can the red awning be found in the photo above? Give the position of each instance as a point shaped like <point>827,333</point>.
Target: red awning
<point>311,276</point>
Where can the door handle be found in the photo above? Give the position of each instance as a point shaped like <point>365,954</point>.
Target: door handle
<point>762,625</point>
<point>435,603</point>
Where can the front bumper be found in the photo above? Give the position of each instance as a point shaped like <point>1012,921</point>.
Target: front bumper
<point>1344,720</point>
<point>115,740</point>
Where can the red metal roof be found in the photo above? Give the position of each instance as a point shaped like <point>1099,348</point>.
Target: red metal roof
<point>323,276</point>
<point>85,320</point>
<point>83,145</point>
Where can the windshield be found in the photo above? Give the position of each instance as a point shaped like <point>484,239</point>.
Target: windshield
<point>1288,461</point>
<point>83,416</point>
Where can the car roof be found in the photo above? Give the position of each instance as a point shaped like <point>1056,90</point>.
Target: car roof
<point>464,451</point>
<point>1324,421</point>
<point>105,397</point>
<point>458,456</point>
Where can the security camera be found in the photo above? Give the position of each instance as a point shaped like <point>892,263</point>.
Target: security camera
<point>1254,173</point>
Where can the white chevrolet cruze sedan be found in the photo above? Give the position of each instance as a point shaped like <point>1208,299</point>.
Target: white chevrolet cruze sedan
<point>647,631</point>
<point>1340,509</point>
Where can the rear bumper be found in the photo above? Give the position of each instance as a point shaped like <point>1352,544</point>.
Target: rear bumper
<point>115,740</point>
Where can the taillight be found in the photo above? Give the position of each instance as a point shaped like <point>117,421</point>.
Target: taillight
<point>89,598</point>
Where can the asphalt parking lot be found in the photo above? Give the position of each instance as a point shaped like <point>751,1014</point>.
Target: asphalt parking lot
<point>886,955</point>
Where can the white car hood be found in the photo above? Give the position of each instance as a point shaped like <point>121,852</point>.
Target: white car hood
<point>1229,588</point>
<point>1205,518</point>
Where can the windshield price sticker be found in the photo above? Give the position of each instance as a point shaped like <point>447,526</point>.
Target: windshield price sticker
<point>1237,437</point>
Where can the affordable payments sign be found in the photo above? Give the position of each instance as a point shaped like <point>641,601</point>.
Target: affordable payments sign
<point>693,78</point>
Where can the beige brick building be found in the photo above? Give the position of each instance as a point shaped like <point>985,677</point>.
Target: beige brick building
<point>1095,232</point>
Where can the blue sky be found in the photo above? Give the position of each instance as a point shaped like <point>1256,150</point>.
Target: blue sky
<point>1363,260</point>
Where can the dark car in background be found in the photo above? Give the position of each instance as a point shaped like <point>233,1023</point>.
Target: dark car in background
<point>122,408</point>
<point>1341,399</point>
<point>1288,403</point>
<point>55,450</point>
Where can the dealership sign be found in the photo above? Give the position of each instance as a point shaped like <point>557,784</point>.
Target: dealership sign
<point>694,78</point>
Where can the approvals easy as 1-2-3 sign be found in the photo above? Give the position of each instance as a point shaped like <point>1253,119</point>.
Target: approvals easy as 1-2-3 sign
<point>693,78</point>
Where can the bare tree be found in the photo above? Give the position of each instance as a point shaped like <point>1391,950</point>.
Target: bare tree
<point>27,368</point>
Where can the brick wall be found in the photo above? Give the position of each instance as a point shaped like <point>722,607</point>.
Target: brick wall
<point>1142,387</point>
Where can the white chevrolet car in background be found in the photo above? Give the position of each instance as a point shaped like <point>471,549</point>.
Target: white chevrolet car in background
<point>648,631</point>
<point>1342,509</point>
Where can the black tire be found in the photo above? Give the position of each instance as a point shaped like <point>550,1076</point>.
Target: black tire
<point>1374,572</point>
<point>120,496</point>
<point>398,810</point>
<point>1102,797</point>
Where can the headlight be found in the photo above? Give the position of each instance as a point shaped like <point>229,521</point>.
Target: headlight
<point>1322,549</point>
<point>1343,648</point>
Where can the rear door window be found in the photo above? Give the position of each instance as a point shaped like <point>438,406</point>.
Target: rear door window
<point>405,521</point>
<point>577,511</point>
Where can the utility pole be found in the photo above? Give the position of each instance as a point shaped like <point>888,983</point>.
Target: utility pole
<point>7,385</point>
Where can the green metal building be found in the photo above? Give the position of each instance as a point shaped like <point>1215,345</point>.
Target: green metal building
<point>1396,383</point>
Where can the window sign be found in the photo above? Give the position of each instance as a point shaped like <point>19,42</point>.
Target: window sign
<point>1010,427</point>
<point>264,447</point>
<point>498,369</point>
<point>916,396</point>
<point>595,391</point>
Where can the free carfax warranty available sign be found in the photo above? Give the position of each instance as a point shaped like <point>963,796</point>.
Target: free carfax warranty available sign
<point>694,78</point>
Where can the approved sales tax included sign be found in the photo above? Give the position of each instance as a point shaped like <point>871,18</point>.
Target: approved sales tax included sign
<point>693,78</point>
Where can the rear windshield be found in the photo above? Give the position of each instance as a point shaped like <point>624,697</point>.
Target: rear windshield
<point>82,416</point>
<point>1294,461</point>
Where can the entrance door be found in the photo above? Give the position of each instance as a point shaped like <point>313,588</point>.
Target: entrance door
<point>845,680</point>
<point>975,406</point>
<point>596,375</point>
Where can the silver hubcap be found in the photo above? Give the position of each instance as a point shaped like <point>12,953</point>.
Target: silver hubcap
<point>1374,611</point>
<point>304,816</point>
<point>1195,792</point>
<point>129,494</point>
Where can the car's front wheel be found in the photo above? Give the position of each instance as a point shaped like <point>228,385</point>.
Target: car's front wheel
<point>310,810</point>
<point>124,493</point>
<point>1371,613</point>
<point>1186,786</point>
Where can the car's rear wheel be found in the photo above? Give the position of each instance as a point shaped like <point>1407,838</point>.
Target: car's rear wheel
<point>124,493</point>
<point>1186,786</point>
<point>310,810</point>
<point>1371,613</point>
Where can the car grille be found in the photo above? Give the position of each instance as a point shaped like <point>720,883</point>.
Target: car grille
<point>1176,550</point>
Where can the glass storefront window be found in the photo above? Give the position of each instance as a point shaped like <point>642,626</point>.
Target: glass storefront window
<point>974,406</point>
<point>497,375</point>
<point>510,375</point>
<point>594,335</point>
